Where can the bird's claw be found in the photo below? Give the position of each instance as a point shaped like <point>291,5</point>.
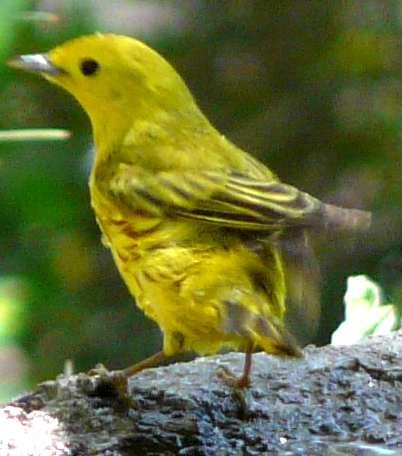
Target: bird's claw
<point>231,380</point>
<point>110,382</point>
<point>99,369</point>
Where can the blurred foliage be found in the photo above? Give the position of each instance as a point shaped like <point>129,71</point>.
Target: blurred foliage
<point>366,313</point>
<point>312,88</point>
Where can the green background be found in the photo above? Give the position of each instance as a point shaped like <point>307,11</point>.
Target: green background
<point>313,88</point>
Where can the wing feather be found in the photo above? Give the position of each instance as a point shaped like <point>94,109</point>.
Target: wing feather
<point>227,198</point>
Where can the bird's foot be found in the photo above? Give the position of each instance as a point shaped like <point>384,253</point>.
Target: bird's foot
<point>231,380</point>
<point>118,380</point>
<point>99,369</point>
<point>240,391</point>
<point>110,383</point>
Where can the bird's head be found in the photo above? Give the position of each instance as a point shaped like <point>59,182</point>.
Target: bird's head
<point>115,78</point>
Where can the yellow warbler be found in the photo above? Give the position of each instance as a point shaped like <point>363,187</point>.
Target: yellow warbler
<point>192,221</point>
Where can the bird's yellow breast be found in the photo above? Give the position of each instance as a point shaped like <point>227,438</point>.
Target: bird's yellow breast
<point>126,234</point>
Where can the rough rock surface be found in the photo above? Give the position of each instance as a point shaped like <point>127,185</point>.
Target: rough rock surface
<point>335,400</point>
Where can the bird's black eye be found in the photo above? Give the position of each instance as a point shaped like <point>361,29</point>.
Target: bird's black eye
<point>89,67</point>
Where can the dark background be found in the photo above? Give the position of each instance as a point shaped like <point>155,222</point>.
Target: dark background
<point>313,88</point>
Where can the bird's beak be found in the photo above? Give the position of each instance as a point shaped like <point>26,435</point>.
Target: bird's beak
<point>35,63</point>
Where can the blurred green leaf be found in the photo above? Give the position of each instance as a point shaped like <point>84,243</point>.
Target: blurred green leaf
<point>9,10</point>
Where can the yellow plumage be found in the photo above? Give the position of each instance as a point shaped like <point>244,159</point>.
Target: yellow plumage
<point>192,221</point>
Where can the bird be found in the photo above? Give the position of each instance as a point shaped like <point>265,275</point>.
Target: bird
<point>193,222</point>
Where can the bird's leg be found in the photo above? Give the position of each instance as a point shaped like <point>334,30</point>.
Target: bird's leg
<point>158,359</point>
<point>244,380</point>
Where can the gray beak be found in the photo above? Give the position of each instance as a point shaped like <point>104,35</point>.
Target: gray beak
<point>35,63</point>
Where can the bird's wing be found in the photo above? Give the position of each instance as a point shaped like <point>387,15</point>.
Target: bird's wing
<point>230,199</point>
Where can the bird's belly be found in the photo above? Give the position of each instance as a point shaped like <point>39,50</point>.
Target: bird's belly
<point>163,281</point>
<point>163,297</point>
